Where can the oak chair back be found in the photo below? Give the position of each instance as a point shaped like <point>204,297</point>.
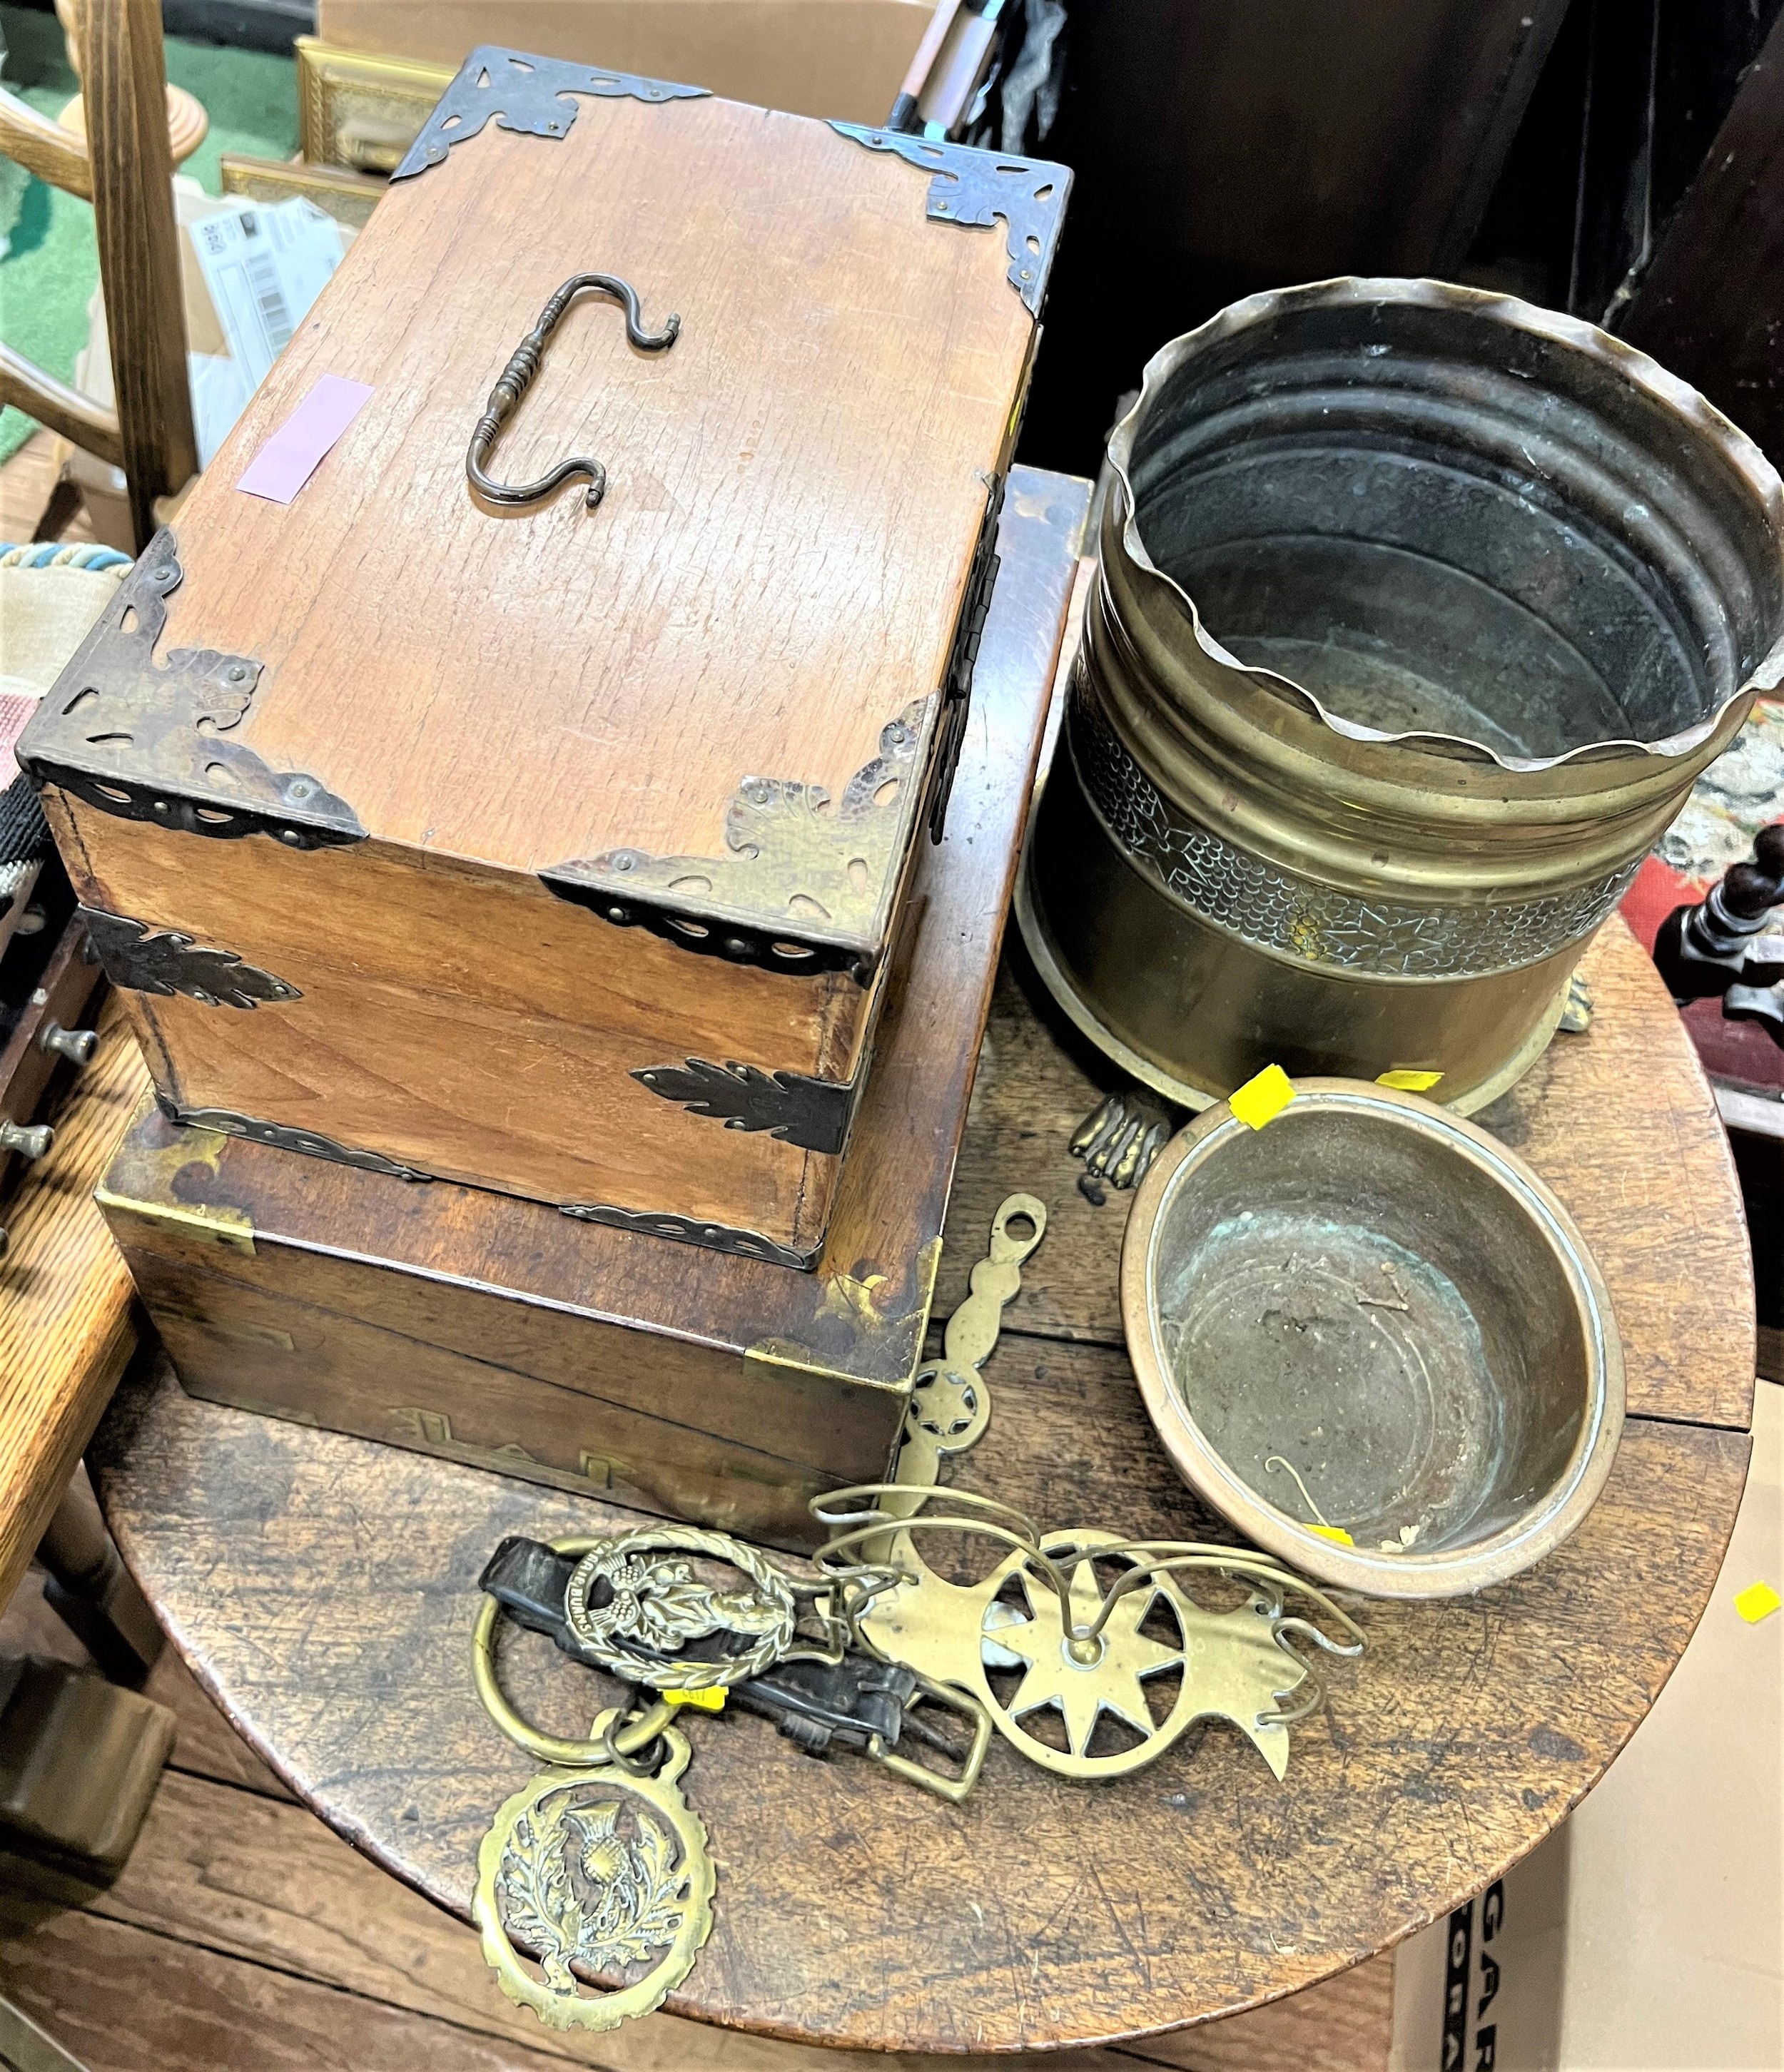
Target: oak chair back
<point>123,167</point>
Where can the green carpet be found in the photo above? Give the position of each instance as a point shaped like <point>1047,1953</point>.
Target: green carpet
<point>51,264</point>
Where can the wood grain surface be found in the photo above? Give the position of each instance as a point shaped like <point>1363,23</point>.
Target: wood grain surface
<point>124,90</point>
<point>469,1025</point>
<point>66,1303</point>
<point>27,482</point>
<point>43,147</point>
<point>794,488</point>
<point>796,492</point>
<point>59,408</point>
<point>520,1327</point>
<point>808,56</point>
<point>324,1590</point>
<point>236,1895</point>
<point>473,1049</point>
<point>31,1077</point>
<point>122,166</point>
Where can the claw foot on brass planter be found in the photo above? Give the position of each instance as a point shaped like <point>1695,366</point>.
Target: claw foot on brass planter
<point>1119,1138</point>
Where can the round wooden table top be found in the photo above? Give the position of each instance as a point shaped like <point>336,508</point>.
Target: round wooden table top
<point>324,1588</point>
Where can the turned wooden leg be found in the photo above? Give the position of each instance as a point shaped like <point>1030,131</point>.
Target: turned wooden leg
<point>91,1591</point>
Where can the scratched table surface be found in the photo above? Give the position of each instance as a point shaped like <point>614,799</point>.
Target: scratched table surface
<point>323,1589</point>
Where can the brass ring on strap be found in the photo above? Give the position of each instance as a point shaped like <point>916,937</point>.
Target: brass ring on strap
<point>630,1740</point>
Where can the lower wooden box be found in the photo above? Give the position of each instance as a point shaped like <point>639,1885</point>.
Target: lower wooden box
<point>499,1332</point>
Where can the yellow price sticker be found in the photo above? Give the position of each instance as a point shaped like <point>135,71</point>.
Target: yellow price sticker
<point>1262,1098</point>
<point>1408,1082</point>
<point>1758,1601</point>
<point>1335,1533</point>
<point>705,1701</point>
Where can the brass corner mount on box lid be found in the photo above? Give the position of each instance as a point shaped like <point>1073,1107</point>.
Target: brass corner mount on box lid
<point>535,97</point>
<point>527,95</point>
<point>150,741</point>
<point>803,888</point>
<point>974,188</point>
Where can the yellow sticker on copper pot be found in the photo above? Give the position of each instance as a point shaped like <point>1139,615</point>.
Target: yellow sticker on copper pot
<point>1408,1082</point>
<point>1262,1098</point>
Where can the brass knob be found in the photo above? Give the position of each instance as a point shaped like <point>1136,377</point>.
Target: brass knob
<point>76,1045</point>
<point>29,1140</point>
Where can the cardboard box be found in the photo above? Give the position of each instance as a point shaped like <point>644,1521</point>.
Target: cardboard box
<point>218,395</point>
<point>1647,1934</point>
<point>844,59</point>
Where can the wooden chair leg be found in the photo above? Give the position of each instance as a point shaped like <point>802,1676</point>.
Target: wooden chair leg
<point>124,78</point>
<point>91,1591</point>
<point>65,500</point>
<point>80,1760</point>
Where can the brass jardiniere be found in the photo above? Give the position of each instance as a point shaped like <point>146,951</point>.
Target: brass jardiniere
<point>1421,610</point>
<point>1372,1339</point>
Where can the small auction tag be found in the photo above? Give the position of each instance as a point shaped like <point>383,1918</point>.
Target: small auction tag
<point>1261,1099</point>
<point>294,453</point>
<point>704,1701</point>
<point>1408,1082</point>
<point>1335,1533</point>
<point>1758,1601</point>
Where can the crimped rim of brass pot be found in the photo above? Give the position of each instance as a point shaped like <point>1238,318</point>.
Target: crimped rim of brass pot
<point>1551,1518</point>
<point>1642,375</point>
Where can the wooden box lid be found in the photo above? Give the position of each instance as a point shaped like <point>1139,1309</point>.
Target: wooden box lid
<point>804,1380</point>
<point>721,693</point>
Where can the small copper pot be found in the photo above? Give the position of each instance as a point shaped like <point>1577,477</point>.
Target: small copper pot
<point>1369,1315</point>
<point>1420,611</point>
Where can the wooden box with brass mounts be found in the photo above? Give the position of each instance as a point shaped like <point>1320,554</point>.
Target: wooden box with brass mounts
<point>493,1330</point>
<point>548,830</point>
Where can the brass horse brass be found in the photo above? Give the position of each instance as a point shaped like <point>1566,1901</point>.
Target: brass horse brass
<point>599,1870</point>
<point>1085,1651</point>
<point>598,1866</point>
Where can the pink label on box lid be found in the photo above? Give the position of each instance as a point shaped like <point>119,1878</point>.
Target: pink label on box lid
<point>297,449</point>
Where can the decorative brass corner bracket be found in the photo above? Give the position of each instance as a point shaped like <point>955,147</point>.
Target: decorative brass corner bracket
<point>806,886</point>
<point>282,1138</point>
<point>811,1113</point>
<point>525,94</point>
<point>148,741</point>
<point>145,959</point>
<point>689,1230</point>
<point>975,187</point>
